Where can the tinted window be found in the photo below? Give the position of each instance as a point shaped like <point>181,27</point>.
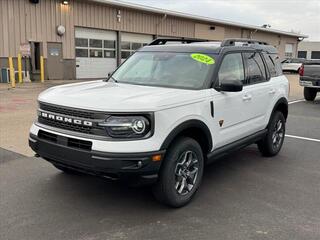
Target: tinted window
<point>81,42</point>
<point>315,55</point>
<point>270,65</point>
<point>81,52</point>
<point>95,43</point>
<point>109,44</point>
<point>302,54</point>
<point>275,59</point>
<point>256,69</point>
<point>231,68</point>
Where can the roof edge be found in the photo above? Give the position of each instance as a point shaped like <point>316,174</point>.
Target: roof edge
<point>195,17</point>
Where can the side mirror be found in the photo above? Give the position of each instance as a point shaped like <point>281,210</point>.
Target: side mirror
<point>230,86</point>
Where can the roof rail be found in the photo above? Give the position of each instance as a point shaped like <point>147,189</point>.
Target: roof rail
<point>162,41</point>
<point>233,41</point>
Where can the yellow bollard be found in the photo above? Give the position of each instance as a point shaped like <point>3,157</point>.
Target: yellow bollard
<point>12,78</point>
<point>20,68</point>
<point>42,69</point>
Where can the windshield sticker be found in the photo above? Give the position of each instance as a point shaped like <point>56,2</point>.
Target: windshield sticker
<point>202,58</point>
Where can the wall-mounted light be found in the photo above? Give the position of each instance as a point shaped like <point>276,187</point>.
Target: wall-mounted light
<point>61,30</point>
<point>65,2</point>
<point>119,16</point>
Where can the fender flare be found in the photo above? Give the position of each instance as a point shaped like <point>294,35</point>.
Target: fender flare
<point>194,123</point>
<point>281,101</point>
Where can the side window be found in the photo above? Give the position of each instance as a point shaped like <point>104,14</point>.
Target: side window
<point>256,69</point>
<point>276,61</point>
<point>231,68</point>
<point>270,65</point>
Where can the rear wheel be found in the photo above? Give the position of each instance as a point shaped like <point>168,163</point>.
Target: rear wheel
<point>309,93</point>
<point>271,144</point>
<point>181,173</point>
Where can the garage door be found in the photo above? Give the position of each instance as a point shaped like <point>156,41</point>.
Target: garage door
<point>95,52</point>
<point>130,42</point>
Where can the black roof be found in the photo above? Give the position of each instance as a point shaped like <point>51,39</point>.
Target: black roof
<point>203,46</point>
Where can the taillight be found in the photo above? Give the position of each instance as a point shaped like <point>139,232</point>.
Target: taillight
<point>301,70</point>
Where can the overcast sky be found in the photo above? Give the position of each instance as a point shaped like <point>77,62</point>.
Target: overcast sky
<point>289,15</point>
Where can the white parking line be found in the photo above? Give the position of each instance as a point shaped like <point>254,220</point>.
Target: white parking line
<point>296,101</point>
<point>303,138</point>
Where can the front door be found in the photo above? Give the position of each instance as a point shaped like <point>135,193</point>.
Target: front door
<point>233,110</point>
<point>55,61</point>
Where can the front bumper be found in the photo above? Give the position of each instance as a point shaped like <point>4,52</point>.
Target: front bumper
<point>114,165</point>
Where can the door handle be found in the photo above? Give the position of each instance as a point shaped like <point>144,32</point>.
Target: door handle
<point>246,97</point>
<point>272,91</point>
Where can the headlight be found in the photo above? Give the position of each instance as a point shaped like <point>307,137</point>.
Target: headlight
<point>126,126</point>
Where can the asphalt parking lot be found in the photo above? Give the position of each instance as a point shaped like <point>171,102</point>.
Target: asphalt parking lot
<point>243,196</point>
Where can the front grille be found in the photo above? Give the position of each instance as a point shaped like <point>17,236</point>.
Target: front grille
<point>64,125</point>
<point>91,116</point>
<point>68,111</point>
<point>65,141</point>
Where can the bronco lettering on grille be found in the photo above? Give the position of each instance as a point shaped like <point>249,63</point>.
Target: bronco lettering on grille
<point>65,119</point>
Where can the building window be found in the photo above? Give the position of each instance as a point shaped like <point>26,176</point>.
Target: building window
<point>128,48</point>
<point>81,42</point>
<point>95,53</point>
<point>81,52</point>
<point>95,43</point>
<point>302,54</point>
<point>315,55</point>
<point>288,50</point>
<point>95,48</point>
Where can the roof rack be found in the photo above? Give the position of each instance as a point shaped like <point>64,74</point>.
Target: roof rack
<point>162,41</point>
<point>233,41</point>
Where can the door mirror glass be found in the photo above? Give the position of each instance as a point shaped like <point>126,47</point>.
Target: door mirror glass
<point>231,86</point>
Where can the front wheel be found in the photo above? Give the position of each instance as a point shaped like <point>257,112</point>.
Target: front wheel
<point>180,174</point>
<point>309,93</point>
<point>271,144</point>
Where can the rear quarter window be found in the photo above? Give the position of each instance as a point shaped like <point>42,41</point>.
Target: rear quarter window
<point>270,65</point>
<point>277,64</point>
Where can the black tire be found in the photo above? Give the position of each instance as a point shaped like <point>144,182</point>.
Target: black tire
<point>309,93</point>
<point>67,170</point>
<point>272,143</point>
<point>173,171</point>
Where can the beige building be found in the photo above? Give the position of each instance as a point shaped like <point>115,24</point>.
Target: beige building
<point>309,50</point>
<point>88,39</point>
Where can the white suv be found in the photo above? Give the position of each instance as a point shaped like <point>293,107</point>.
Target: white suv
<point>165,113</point>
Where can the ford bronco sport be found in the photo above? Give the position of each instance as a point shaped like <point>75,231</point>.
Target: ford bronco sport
<point>165,113</point>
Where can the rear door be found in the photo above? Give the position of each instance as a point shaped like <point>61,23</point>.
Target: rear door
<point>259,89</point>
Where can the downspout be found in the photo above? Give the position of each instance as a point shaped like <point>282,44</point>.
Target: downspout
<point>158,24</point>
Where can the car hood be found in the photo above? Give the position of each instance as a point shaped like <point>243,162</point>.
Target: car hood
<point>119,97</point>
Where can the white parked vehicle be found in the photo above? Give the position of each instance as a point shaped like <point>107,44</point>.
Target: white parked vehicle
<point>292,64</point>
<point>165,113</point>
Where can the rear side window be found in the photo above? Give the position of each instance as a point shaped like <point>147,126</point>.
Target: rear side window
<point>270,65</point>
<point>256,71</point>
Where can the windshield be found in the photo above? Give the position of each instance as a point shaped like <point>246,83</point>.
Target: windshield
<point>166,69</point>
